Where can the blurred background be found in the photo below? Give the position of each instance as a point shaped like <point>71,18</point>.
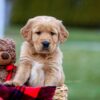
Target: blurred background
<point>82,49</point>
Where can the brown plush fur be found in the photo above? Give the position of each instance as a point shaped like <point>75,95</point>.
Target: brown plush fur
<point>7,56</point>
<point>39,66</point>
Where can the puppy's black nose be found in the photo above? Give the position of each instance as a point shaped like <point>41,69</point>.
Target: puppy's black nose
<point>45,44</point>
<point>5,56</point>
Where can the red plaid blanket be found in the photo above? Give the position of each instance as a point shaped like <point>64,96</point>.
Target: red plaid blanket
<point>26,93</point>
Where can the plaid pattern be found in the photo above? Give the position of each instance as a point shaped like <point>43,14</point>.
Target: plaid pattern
<point>26,93</point>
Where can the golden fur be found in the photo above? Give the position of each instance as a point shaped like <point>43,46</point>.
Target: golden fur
<point>38,66</point>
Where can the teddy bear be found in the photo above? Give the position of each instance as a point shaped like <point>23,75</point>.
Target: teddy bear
<point>7,60</point>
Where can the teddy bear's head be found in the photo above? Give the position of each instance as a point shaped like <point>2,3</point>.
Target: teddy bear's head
<point>7,52</point>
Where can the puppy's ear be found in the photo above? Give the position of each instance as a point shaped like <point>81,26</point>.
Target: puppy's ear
<point>63,34</point>
<point>26,30</point>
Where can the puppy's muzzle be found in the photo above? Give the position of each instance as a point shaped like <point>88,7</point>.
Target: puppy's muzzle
<point>45,44</point>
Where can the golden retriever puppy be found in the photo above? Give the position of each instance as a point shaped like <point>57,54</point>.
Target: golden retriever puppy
<point>41,58</point>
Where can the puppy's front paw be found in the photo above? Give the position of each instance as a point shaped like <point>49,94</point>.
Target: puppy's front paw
<point>15,83</point>
<point>8,83</point>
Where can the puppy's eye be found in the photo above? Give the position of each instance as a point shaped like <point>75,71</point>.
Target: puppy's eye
<point>52,33</point>
<point>38,33</point>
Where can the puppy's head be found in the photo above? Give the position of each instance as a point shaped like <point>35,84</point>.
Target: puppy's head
<point>44,33</point>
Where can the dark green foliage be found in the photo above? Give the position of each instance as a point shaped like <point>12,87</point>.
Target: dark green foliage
<point>72,12</point>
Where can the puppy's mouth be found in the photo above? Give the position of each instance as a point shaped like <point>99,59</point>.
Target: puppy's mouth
<point>45,50</point>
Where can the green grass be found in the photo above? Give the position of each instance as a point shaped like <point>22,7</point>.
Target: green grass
<point>82,71</point>
<point>81,61</point>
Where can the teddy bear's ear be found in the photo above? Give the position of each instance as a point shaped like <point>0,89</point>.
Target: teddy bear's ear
<point>2,44</point>
<point>63,34</point>
<point>26,30</point>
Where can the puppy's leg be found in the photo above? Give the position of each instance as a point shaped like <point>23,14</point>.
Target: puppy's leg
<point>54,77</point>
<point>23,73</point>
